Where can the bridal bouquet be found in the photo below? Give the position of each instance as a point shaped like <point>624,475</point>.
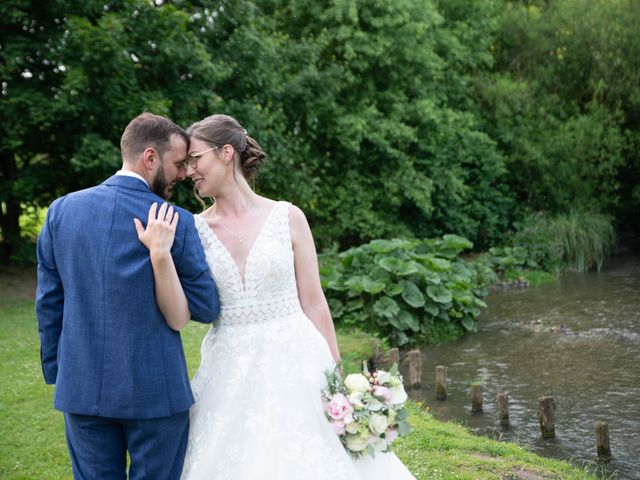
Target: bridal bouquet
<point>366,410</point>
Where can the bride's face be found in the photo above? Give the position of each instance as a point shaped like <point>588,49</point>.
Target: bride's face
<point>208,167</point>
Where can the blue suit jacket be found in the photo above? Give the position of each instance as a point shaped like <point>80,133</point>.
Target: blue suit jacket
<point>104,342</point>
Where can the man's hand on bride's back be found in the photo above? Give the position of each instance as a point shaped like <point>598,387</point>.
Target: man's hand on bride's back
<point>160,231</point>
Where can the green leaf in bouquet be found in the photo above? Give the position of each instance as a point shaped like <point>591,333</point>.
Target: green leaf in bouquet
<point>404,428</point>
<point>375,405</point>
<point>386,307</point>
<point>394,369</point>
<point>439,293</point>
<point>412,294</point>
<point>402,414</point>
<point>371,451</point>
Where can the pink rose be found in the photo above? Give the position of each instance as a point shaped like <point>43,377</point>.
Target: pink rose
<point>338,407</point>
<point>338,426</point>
<point>390,435</point>
<point>382,392</point>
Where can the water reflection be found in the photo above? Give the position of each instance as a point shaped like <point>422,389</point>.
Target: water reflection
<point>577,341</point>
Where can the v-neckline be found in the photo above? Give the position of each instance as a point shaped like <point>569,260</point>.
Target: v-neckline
<point>242,279</point>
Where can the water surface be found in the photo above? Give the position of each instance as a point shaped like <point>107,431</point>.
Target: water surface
<point>578,341</point>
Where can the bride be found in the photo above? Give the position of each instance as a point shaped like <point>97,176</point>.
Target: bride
<point>258,412</point>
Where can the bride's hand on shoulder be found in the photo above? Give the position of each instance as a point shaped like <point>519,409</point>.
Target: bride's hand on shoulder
<point>160,231</point>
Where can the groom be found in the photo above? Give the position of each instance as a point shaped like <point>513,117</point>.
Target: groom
<point>119,371</point>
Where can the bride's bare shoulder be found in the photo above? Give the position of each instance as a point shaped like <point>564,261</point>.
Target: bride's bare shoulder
<point>207,214</point>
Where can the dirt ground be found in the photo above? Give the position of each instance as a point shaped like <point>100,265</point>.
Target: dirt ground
<point>17,283</point>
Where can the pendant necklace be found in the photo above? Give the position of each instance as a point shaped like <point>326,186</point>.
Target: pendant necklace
<point>238,237</point>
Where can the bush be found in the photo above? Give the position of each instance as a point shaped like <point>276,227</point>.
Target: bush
<point>411,291</point>
<point>576,240</point>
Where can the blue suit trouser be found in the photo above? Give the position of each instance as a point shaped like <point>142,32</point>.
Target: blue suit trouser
<point>98,447</point>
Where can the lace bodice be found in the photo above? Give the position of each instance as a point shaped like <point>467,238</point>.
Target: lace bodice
<point>269,289</point>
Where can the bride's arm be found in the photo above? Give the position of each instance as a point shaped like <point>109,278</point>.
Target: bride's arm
<point>312,299</point>
<point>158,238</point>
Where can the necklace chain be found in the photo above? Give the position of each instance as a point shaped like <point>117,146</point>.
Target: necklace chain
<point>239,237</point>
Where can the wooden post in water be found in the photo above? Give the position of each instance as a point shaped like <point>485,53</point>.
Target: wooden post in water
<point>503,408</point>
<point>414,358</point>
<point>476,398</point>
<point>546,416</point>
<point>393,356</point>
<point>441,382</point>
<point>602,441</point>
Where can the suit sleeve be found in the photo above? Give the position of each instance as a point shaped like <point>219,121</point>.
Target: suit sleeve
<point>49,302</point>
<point>195,276</point>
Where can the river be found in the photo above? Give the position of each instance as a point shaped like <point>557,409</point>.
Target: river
<point>577,340</point>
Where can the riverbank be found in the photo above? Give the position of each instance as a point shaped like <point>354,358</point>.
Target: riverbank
<point>551,341</point>
<point>35,445</point>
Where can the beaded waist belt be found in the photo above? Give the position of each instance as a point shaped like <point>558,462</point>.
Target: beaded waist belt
<point>271,310</point>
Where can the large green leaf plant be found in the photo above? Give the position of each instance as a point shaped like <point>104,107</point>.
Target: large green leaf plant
<point>411,291</point>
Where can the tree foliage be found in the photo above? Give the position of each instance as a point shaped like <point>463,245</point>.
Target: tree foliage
<point>381,119</point>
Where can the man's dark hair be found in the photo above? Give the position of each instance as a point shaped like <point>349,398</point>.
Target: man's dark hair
<point>149,130</point>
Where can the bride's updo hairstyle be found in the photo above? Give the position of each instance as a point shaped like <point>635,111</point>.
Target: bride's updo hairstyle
<point>217,130</point>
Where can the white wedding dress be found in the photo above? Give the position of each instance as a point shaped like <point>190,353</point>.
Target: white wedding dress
<point>258,411</point>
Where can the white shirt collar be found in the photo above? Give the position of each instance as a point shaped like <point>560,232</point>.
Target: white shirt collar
<point>129,173</point>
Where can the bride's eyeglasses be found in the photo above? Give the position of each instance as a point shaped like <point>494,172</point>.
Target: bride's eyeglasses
<point>193,157</point>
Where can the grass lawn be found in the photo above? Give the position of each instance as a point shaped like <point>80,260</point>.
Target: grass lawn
<point>34,445</point>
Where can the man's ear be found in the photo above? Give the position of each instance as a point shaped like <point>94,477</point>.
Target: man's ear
<point>149,158</point>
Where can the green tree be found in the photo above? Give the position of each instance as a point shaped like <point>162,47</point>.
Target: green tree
<point>566,107</point>
<point>364,108</point>
<point>77,72</point>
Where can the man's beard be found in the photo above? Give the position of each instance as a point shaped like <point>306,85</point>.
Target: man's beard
<point>159,184</point>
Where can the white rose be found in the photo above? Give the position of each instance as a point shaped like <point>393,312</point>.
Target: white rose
<point>378,423</point>
<point>351,427</point>
<point>356,382</point>
<point>398,395</point>
<point>356,443</point>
